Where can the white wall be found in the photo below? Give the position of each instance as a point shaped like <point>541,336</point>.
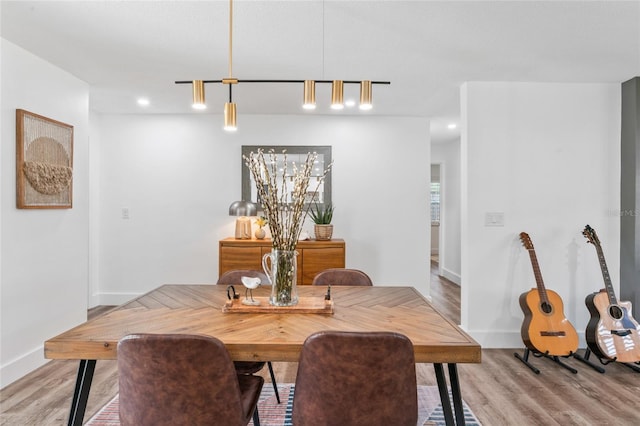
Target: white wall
<point>448,156</point>
<point>178,174</point>
<point>43,278</point>
<point>547,156</point>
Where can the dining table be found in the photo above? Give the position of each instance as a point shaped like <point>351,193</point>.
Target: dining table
<point>271,334</point>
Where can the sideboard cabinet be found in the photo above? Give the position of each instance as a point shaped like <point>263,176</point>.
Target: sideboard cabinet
<point>313,256</point>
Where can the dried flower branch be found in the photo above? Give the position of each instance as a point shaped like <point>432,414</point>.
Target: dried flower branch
<point>285,216</point>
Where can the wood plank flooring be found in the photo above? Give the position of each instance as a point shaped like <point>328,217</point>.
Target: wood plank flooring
<point>500,391</point>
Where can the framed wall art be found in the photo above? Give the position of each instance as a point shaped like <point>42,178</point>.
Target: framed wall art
<point>44,162</point>
<point>294,154</point>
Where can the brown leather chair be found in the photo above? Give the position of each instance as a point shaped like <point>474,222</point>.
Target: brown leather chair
<point>334,383</point>
<point>234,278</point>
<point>342,276</point>
<point>178,379</point>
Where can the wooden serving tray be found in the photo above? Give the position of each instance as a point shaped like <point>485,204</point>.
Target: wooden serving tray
<point>305,305</point>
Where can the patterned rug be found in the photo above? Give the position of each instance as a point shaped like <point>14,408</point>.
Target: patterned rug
<point>274,414</point>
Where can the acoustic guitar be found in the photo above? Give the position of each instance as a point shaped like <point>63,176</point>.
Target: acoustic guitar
<point>611,333</point>
<point>545,328</point>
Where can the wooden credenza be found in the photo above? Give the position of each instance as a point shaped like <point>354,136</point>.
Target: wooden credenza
<point>313,256</point>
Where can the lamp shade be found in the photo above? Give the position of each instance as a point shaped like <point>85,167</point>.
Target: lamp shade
<point>230,117</point>
<point>198,94</point>
<point>309,97</point>
<point>337,94</point>
<point>365,95</point>
<point>243,208</point>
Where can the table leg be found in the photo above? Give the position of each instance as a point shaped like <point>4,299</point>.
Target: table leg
<point>81,392</point>
<point>273,381</point>
<point>455,393</point>
<point>444,394</point>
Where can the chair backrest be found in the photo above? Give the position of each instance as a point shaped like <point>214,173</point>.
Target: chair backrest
<point>342,276</point>
<point>233,277</point>
<point>175,379</point>
<point>355,378</point>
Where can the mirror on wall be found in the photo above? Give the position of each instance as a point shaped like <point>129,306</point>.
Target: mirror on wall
<point>294,154</point>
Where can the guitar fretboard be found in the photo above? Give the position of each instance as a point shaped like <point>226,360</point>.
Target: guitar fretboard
<point>542,291</point>
<point>605,275</point>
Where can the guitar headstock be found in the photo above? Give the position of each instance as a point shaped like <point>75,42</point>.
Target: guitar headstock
<point>590,235</point>
<point>526,241</point>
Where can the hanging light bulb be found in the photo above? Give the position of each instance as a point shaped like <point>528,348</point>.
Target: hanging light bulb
<point>365,95</point>
<point>309,97</point>
<point>230,117</point>
<point>337,94</point>
<point>198,94</point>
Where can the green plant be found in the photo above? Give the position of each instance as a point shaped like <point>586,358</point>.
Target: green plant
<point>322,215</point>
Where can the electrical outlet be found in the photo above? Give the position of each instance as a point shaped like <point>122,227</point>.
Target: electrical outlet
<point>125,213</point>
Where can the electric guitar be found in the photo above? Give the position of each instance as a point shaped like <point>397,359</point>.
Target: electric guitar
<point>611,333</point>
<point>545,328</point>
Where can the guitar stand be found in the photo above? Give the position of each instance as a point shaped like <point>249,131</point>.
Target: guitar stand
<point>585,359</point>
<point>525,359</point>
<point>635,366</point>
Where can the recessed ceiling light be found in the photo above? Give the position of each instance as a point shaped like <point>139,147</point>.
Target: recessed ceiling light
<point>143,102</point>
<point>350,103</point>
<point>452,126</point>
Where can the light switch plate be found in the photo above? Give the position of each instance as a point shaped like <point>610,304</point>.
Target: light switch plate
<point>494,219</point>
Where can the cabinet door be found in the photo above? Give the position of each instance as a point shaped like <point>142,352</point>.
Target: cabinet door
<point>317,260</point>
<point>240,258</point>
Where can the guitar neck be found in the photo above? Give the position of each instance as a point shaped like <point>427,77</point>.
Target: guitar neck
<point>542,291</point>
<point>605,275</point>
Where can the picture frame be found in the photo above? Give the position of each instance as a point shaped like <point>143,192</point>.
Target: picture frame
<point>44,162</point>
<point>295,153</point>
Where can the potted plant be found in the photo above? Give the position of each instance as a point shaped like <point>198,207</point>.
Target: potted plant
<point>321,217</point>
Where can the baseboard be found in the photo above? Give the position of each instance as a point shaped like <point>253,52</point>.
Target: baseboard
<point>115,299</point>
<point>20,367</point>
<point>94,300</point>
<point>507,339</point>
<point>494,339</point>
<point>453,277</point>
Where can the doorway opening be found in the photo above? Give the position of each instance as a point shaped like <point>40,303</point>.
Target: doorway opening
<point>435,209</point>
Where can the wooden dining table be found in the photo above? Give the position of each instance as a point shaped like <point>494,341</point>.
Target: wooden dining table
<point>270,336</point>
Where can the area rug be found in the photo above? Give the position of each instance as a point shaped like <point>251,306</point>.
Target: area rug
<point>274,414</point>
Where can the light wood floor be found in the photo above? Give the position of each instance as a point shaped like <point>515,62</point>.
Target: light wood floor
<point>500,391</point>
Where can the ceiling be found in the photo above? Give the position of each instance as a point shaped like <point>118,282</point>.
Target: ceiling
<point>427,49</point>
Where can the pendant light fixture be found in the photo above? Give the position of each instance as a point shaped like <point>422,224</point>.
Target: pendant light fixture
<point>309,87</point>
<point>365,95</point>
<point>309,95</point>
<point>337,94</point>
<point>198,95</point>
<point>230,124</point>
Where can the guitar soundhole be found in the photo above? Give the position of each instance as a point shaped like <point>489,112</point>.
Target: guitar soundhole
<point>615,312</point>
<point>546,307</point>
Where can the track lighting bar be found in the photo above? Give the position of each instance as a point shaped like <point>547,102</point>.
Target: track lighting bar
<point>278,81</point>
<point>309,96</point>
